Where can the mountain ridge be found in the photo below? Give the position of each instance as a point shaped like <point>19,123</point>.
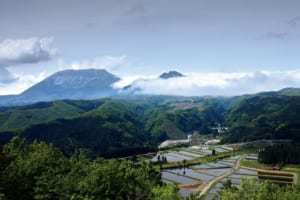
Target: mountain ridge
<point>67,84</point>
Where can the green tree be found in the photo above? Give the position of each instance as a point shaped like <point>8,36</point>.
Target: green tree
<point>251,190</point>
<point>169,192</point>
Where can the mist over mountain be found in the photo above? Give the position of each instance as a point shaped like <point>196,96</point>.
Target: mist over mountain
<point>98,83</point>
<point>138,86</point>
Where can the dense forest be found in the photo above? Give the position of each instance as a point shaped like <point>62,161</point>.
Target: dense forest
<point>41,171</point>
<point>121,127</point>
<point>252,190</point>
<point>263,116</point>
<point>109,128</point>
<point>50,150</point>
<point>281,153</point>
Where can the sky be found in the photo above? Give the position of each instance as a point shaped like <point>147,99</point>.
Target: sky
<point>223,47</point>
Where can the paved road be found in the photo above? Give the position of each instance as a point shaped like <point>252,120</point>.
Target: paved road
<point>234,168</point>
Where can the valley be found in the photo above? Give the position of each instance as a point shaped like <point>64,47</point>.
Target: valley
<point>200,144</point>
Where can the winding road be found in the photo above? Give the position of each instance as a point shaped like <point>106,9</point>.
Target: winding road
<point>233,169</point>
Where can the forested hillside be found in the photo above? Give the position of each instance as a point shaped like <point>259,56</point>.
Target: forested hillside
<point>264,116</point>
<point>119,127</point>
<point>109,127</point>
<point>15,118</point>
<point>41,171</point>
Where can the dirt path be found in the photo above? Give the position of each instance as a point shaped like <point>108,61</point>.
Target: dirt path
<point>233,169</point>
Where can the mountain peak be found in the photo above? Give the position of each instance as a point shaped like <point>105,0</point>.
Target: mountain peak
<point>79,78</point>
<point>171,74</point>
<point>72,84</point>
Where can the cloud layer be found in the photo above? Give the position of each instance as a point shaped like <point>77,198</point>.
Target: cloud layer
<point>15,52</point>
<point>22,51</point>
<point>225,84</point>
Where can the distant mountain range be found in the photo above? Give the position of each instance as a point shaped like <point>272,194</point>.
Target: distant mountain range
<point>72,84</point>
<point>83,85</point>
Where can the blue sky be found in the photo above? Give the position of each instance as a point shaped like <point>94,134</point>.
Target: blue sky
<point>232,40</point>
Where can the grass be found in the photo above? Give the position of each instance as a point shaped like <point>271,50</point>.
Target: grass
<point>289,168</point>
<point>255,164</point>
<point>295,169</point>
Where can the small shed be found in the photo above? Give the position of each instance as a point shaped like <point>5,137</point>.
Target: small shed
<point>278,168</point>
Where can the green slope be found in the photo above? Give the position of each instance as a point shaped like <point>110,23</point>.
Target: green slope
<point>264,117</point>
<point>109,130</point>
<point>16,118</point>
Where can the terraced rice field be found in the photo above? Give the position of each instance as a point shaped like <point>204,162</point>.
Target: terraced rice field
<point>239,174</point>
<point>190,173</point>
<point>217,172</point>
<point>176,178</point>
<point>193,177</point>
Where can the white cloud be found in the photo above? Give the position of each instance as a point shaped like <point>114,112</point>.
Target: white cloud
<point>22,51</point>
<point>128,80</point>
<point>104,62</point>
<point>196,84</point>
<point>15,52</point>
<point>21,83</point>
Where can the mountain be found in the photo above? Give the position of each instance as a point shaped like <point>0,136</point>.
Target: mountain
<point>290,91</point>
<point>18,118</point>
<point>68,84</point>
<point>273,115</point>
<point>171,74</point>
<point>118,127</point>
<point>110,127</point>
<point>134,87</point>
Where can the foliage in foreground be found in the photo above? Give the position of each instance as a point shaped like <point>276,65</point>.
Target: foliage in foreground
<point>251,190</point>
<point>41,171</point>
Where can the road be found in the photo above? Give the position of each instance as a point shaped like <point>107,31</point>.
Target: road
<point>234,168</point>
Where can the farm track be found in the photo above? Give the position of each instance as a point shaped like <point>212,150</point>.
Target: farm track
<point>211,183</point>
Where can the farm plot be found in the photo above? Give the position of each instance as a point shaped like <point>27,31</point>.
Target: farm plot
<point>190,154</point>
<point>220,150</point>
<point>246,171</point>
<point>176,178</point>
<point>190,173</point>
<point>217,172</point>
<point>227,148</point>
<point>201,166</point>
<point>206,151</point>
<point>171,157</point>
<point>252,157</point>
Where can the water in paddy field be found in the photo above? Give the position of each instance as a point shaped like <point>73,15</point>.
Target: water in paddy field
<point>217,172</point>
<point>191,173</point>
<point>177,178</point>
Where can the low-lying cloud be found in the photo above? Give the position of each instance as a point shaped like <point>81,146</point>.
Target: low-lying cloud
<point>23,51</point>
<point>225,84</point>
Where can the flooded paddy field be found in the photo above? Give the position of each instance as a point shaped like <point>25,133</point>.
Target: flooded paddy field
<point>176,178</point>
<point>237,176</point>
<point>195,178</point>
<point>190,173</point>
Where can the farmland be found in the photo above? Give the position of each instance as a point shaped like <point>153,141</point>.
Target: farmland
<point>197,171</point>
